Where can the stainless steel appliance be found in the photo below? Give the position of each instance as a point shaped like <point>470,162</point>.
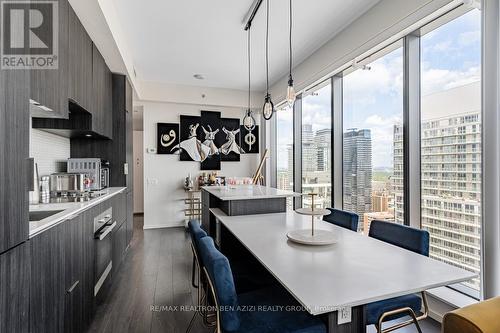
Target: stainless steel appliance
<point>103,226</point>
<point>96,169</point>
<point>65,183</point>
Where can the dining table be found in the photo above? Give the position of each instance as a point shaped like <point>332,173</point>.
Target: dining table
<point>336,280</point>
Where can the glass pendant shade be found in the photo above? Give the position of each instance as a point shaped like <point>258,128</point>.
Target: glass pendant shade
<point>268,108</point>
<point>290,94</point>
<point>249,121</point>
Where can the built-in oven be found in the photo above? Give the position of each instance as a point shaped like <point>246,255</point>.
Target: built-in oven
<point>103,226</point>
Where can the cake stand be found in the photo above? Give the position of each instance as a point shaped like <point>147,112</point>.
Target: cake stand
<point>312,236</point>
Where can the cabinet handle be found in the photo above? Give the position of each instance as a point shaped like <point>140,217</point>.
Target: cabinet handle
<point>70,290</point>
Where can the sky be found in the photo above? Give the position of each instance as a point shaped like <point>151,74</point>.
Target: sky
<point>450,57</point>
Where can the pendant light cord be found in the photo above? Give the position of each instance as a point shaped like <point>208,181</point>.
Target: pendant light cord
<point>248,49</point>
<point>267,47</point>
<point>290,38</point>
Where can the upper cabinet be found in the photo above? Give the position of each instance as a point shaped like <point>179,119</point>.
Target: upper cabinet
<point>49,87</point>
<point>102,113</point>
<point>80,63</point>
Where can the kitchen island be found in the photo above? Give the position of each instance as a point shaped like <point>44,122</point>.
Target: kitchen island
<point>236,200</point>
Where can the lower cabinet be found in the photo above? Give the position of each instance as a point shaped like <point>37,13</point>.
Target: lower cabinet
<point>119,245</point>
<point>130,216</point>
<point>15,273</point>
<point>47,287</point>
<point>73,277</point>
<point>61,288</point>
<point>62,263</point>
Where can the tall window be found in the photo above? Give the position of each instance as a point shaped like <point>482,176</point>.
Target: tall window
<point>451,143</point>
<point>373,150</point>
<point>284,151</point>
<point>317,146</point>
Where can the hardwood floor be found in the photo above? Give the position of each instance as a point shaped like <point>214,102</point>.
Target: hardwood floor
<point>156,273</point>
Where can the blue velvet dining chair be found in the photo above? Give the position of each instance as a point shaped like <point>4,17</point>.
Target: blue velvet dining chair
<point>240,313</point>
<point>411,239</point>
<point>342,218</point>
<point>196,233</point>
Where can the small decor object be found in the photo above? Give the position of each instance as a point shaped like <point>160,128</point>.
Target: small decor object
<point>312,236</point>
<point>250,139</point>
<point>188,183</point>
<point>230,149</point>
<point>168,137</point>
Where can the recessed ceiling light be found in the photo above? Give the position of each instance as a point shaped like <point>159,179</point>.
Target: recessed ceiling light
<point>199,77</point>
<point>88,135</point>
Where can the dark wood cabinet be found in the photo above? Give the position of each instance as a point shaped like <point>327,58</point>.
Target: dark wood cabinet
<point>73,277</point>
<point>14,151</point>
<point>102,117</point>
<point>14,290</point>
<point>88,277</point>
<point>130,216</point>
<point>119,245</point>
<point>48,285</point>
<point>49,87</point>
<point>80,63</point>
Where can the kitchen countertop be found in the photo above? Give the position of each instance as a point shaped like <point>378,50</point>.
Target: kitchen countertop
<point>69,209</point>
<point>247,192</point>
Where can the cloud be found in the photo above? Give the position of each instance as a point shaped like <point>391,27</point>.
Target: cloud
<point>435,79</point>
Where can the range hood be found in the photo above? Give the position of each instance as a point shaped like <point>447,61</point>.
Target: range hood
<point>78,124</point>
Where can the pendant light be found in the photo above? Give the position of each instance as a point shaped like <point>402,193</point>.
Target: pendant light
<point>268,108</point>
<point>249,120</point>
<point>290,91</point>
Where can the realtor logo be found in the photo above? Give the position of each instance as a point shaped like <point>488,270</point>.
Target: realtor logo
<point>29,34</point>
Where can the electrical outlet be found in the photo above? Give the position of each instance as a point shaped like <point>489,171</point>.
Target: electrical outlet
<point>344,315</point>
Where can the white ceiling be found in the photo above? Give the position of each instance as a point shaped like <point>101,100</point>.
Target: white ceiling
<point>171,40</point>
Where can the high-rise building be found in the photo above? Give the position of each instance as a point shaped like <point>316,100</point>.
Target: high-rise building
<point>323,140</point>
<point>309,155</point>
<point>369,217</point>
<point>451,175</point>
<point>357,171</point>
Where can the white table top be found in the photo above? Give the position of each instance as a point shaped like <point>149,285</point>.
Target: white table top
<point>247,192</point>
<point>355,271</point>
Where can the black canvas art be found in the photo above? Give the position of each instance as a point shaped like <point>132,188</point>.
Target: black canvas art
<point>167,138</point>
<point>189,143</point>
<point>250,140</point>
<point>229,144</point>
<point>211,129</point>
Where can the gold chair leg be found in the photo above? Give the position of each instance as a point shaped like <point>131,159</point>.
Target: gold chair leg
<point>414,319</point>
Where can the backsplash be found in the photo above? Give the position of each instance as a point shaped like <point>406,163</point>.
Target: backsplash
<point>50,151</point>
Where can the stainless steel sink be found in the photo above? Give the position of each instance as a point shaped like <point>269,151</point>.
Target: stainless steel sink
<point>38,215</point>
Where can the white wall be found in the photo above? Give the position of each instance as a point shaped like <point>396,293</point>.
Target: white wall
<point>138,172</point>
<point>49,151</point>
<point>164,174</point>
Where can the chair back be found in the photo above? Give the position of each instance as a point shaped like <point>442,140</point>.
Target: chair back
<point>343,219</point>
<point>221,279</point>
<point>196,233</point>
<point>412,239</point>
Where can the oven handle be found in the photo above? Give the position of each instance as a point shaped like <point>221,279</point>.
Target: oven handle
<point>105,231</point>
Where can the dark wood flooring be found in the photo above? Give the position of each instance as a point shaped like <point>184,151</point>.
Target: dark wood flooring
<point>156,272</point>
